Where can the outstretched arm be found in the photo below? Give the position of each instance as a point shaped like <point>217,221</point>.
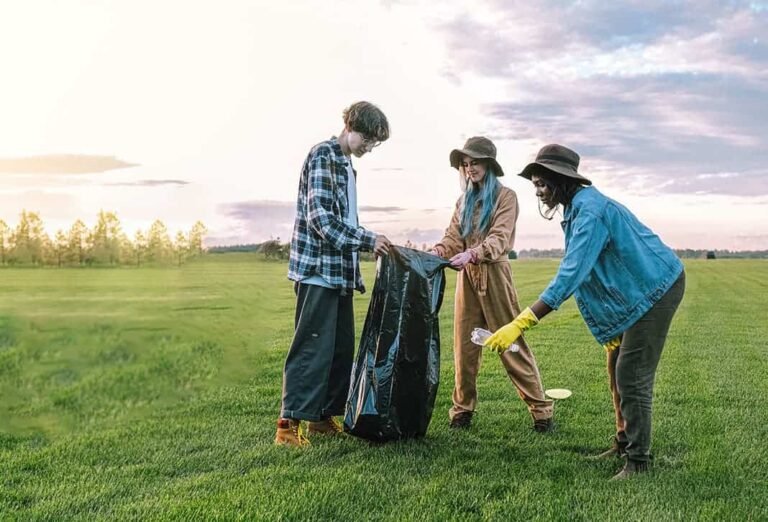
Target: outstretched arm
<point>540,309</point>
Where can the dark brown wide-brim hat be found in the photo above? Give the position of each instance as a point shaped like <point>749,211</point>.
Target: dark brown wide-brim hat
<point>477,147</point>
<point>558,159</point>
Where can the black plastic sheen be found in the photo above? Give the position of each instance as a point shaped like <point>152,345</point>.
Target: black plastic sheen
<point>396,374</point>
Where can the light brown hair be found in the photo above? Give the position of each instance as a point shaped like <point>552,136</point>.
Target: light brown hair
<point>367,119</point>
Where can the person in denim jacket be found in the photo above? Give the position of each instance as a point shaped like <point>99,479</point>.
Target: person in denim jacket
<point>627,284</point>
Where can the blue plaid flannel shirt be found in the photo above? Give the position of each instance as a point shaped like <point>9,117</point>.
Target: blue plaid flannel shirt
<point>322,241</point>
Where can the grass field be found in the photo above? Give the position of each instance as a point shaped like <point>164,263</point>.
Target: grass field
<point>153,394</point>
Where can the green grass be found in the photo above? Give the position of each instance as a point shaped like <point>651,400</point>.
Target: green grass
<point>153,394</point>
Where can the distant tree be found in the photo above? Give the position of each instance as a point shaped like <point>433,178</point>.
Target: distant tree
<point>127,254</point>
<point>77,244</point>
<point>159,248</point>
<point>105,238</point>
<point>272,249</point>
<point>181,247</point>
<point>59,247</point>
<point>48,256</point>
<point>28,239</point>
<point>196,236</point>
<point>5,237</point>
<point>140,245</point>
<point>249,247</point>
<point>536,253</point>
<point>710,254</point>
<point>512,254</point>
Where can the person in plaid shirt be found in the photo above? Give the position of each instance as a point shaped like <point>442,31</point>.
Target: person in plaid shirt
<point>325,269</point>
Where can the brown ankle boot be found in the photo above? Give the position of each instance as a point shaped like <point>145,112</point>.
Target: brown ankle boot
<point>461,420</point>
<point>329,426</point>
<point>543,425</point>
<point>289,433</point>
<point>616,450</point>
<point>632,467</point>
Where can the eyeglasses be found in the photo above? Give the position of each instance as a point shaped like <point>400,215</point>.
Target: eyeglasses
<point>368,141</point>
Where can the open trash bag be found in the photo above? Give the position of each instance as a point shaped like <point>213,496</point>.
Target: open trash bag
<point>395,377</point>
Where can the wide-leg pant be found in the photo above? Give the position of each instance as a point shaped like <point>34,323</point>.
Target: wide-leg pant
<point>319,363</point>
<point>496,308</point>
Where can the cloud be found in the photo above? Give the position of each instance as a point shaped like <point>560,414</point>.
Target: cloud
<point>62,164</point>
<point>256,221</point>
<point>668,98</point>
<point>756,238</point>
<point>211,241</point>
<point>150,183</point>
<point>51,205</point>
<point>368,208</point>
<point>418,235</point>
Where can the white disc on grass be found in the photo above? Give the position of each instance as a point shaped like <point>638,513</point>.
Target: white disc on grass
<point>558,393</point>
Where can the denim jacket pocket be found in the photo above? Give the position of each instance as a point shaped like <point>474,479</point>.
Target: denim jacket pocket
<point>606,304</point>
<point>617,296</point>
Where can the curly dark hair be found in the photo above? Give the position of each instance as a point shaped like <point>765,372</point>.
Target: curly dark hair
<point>367,119</point>
<point>562,188</point>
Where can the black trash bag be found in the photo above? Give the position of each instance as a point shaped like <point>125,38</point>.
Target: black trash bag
<point>395,377</point>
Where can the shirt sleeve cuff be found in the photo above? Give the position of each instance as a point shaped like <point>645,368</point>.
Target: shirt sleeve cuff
<point>368,240</point>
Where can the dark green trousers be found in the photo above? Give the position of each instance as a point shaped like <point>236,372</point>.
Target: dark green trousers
<point>319,363</point>
<point>635,366</point>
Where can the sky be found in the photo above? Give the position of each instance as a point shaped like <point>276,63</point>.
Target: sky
<point>206,110</point>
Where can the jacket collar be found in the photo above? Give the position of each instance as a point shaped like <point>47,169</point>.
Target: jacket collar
<point>339,155</point>
<point>570,209</point>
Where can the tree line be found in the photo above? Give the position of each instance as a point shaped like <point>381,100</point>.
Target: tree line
<point>683,253</point>
<point>274,249</point>
<point>105,244</point>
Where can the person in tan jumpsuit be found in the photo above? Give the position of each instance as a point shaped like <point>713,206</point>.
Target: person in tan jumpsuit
<point>478,243</point>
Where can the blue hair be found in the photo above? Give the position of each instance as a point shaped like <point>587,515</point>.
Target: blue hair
<point>484,194</point>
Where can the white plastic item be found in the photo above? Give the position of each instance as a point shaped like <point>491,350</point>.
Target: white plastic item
<point>480,335</point>
<point>558,393</point>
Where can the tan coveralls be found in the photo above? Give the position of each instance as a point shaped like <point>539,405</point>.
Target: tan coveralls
<point>486,298</point>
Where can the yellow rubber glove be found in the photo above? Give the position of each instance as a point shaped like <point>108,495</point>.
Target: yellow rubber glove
<point>612,344</point>
<point>506,335</point>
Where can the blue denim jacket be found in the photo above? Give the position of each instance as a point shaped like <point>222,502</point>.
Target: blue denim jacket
<point>615,266</point>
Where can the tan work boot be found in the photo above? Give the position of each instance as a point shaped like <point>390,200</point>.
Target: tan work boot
<point>289,433</point>
<point>329,426</point>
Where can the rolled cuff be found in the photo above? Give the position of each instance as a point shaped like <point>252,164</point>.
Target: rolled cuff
<point>551,300</point>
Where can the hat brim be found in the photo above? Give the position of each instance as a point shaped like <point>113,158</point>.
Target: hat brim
<point>562,170</point>
<point>456,155</point>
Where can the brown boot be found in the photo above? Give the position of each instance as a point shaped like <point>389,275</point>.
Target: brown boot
<point>329,426</point>
<point>461,420</point>
<point>632,467</point>
<point>544,425</point>
<point>616,450</point>
<point>289,433</point>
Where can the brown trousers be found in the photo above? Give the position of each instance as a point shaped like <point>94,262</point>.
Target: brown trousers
<point>612,357</point>
<point>493,310</point>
